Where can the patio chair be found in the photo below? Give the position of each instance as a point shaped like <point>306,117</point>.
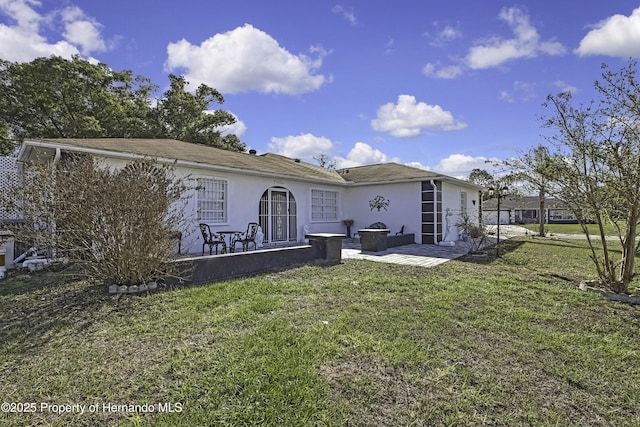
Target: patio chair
<point>177,235</point>
<point>212,240</point>
<point>247,237</point>
<point>401,230</point>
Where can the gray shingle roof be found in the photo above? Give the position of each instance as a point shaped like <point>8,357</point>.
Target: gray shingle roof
<point>385,172</point>
<point>394,172</point>
<point>215,158</point>
<point>202,154</point>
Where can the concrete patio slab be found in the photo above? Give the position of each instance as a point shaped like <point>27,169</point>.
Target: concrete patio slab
<point>414,254</point>
<point>421,255</point>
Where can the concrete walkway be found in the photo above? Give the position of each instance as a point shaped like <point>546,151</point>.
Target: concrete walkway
<point>422,255</point>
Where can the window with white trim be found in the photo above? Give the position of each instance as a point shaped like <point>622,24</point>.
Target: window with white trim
<point>463,202</point>
<point>324,205</point>
<point>212,200</point>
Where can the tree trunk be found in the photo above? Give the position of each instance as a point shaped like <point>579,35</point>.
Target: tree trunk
<point>628,253</point>
<point>609,268</point>
<point>628,261</point>
<point>541,216</point>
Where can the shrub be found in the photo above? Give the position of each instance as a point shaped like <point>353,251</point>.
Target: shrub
<point>117,224</point>
<point>477,233</point>
<point>465,223</point>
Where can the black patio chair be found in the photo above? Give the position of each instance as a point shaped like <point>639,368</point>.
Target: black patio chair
<point>177,235</point>
<point>247,237</point>
<point>401,230</point>
<point>212,240</point>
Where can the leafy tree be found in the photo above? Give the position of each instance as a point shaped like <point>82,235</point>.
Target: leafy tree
<point>58,98</point>
<point>597,167</point>
<point>482,177</point>
<point>6,145</point>
<point>536,169</point>
<point>186,116</point>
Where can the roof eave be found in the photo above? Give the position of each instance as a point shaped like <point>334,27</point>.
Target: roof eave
<point>418,179</point>
<point>186,163</point>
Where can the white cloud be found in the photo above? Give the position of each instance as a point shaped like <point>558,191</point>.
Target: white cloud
<point>618,35</point>
<point>346,14</point>
<point>307,146</point>
<point>460,165</point>
<point>506,96</point>
<point>304,146</point>
<point>456,165</point>
<point>565,87</point>
<point>363,154</point>
<point>447,72</point>
<point>450,33</point>
<point>445,35</point>
<point>238,128</point>
<point>22,41</point>
<point>388,46</point>
<point>245,59</point>
<point>520,92</point>
<point>525,44</point>
<point>418,165</point>
<point>82,31</point>
<point>16,46</point>
<point>22,12</point>
<point>408,118</point>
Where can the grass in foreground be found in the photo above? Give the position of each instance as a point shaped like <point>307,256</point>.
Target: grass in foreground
<point>501,342</point>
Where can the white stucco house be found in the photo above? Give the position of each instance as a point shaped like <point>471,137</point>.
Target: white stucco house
<point>287,196</point>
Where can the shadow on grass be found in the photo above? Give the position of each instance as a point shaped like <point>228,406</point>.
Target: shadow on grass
<point>22,282</point>
<point>33,305</point>
<point>488,254</point>
<point>613,246</point>
<point>565,243</point>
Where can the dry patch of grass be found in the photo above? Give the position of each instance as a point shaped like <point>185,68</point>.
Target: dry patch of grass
<point>375,392</point>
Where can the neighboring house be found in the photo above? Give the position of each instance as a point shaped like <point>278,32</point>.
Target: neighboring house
<point>286,196</point>
<point>526,210</point>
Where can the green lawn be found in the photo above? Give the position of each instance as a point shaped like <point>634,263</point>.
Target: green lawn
<point>572,228</point>
<point>471,342</point>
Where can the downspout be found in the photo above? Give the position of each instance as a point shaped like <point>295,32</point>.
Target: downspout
<point>480,218</point>
<point>435,212</point>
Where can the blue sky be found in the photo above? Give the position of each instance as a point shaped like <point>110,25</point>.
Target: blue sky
<point>434,84</point>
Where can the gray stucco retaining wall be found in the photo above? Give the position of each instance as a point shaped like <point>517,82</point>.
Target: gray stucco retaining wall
<point>323,248</point>
<point>401,240</point>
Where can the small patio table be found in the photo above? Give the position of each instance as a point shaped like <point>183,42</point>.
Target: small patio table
<point>230,238</point>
